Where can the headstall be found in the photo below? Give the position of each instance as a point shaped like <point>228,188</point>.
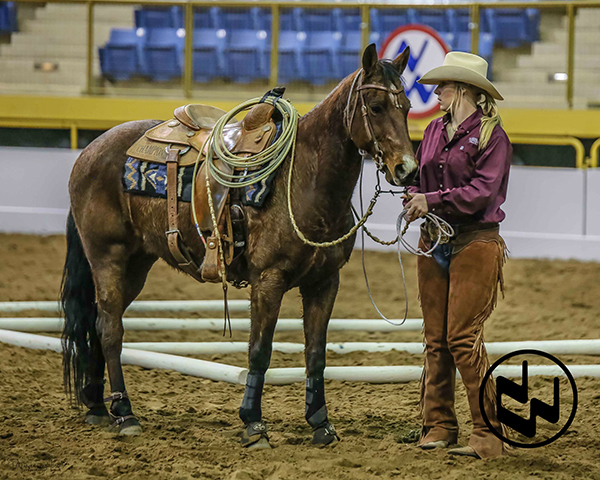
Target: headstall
<point>359,87</point>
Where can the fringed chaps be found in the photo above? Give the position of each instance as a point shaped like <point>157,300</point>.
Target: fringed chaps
<point>455,305</point>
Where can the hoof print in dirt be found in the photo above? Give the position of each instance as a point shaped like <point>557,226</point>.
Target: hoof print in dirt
<point>325,436</point>
<point>255,436</point>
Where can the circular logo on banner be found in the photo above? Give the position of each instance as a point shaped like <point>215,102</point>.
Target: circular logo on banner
<point>537,411</point>
<point>427,51</point>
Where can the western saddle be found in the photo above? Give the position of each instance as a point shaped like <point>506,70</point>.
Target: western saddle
<point>179,142</point>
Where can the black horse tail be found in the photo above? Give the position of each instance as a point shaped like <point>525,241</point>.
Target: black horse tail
<point>79,308</point>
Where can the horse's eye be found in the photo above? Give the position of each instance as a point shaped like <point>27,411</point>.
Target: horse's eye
<point>376,109</point>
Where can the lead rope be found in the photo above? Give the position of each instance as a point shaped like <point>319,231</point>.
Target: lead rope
<point>443,230</point>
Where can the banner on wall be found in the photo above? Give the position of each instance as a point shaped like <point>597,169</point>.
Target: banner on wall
<point>427,50</point>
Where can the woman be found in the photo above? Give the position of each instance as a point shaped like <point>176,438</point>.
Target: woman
<point>464,163</point>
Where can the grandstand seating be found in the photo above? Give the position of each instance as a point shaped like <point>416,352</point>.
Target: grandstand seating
<point>158,17</point>
<point>316,44</point>
<point>208,55</point>
<point>245,55</point>
<point>120,58</point>
<point>321,56</point>
<point>8,17</point>
<point>162,57</point>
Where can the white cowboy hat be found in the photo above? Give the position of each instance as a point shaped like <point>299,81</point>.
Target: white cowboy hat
<point>462,67</point>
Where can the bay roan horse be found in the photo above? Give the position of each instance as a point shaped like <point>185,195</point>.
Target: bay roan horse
<point>113,238</point>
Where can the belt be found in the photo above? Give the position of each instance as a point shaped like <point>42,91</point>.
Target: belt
<point>473,227</point>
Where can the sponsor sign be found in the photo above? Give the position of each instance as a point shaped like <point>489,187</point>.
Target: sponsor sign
<point>427,51</point>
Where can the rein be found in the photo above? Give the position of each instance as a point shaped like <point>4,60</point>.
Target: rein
<point>349,112</point>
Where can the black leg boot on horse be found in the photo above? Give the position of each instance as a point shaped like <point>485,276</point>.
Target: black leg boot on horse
<point>318,303</point>
<point>267,293</point>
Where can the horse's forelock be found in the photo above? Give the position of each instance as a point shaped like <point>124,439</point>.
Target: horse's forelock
<point>390,73</point>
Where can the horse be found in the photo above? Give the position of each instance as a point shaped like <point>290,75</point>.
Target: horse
<point>114,238</point>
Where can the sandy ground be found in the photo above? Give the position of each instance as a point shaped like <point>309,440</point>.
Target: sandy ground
<point>191,426</point>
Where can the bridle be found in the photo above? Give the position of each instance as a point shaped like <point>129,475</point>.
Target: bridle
<point>349,111</point>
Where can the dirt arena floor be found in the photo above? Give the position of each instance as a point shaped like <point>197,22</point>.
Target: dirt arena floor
<point>191,425</point>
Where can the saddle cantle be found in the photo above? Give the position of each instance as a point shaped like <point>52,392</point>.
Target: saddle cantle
<point>181,142</point>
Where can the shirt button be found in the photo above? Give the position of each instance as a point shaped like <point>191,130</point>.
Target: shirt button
<point>441,166</point>
<point>441,186</point>
<point>446,149</point>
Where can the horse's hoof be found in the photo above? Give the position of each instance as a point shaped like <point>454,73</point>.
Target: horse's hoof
<point>129,427</point>
<point>255,436</point>
<point>98,420</point>
<point>325,436</point>
<point>262,444</point>
<point>97,416</point>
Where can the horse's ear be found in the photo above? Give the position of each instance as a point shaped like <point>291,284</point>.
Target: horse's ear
<point>401,60</point>
<point>369,59</point>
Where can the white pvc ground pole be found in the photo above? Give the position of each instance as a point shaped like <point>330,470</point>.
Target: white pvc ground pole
<point>42,324</point>
<point>282,376</point>
<point>554,347</point>
<point>188,366</point>
<point>141,306</point>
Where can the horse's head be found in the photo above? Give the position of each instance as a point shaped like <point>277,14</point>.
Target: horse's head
<point>376,115</point>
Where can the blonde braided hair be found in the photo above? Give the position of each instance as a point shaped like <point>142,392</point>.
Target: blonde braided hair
<point>478,98</point>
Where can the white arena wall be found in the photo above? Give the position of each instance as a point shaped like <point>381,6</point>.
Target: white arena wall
<point>550,212</point>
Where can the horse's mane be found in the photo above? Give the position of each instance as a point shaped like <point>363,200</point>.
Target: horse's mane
<point>390,74</point>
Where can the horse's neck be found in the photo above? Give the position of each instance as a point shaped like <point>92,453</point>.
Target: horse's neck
<point>328,162</point>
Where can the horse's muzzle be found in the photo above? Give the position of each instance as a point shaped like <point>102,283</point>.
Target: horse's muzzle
<point>405,173</point>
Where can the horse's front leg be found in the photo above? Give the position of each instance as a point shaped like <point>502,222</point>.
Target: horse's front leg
<point>318,300</point>
<point>267,293</point>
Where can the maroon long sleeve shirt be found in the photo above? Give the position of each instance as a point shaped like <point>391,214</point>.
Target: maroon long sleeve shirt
<point>461,184</point>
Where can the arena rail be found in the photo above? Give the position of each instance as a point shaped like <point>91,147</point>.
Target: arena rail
<point>593,161</point>
<point>280,376</point>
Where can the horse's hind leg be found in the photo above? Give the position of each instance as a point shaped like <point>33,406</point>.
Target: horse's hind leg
<point>267,293</point>
<point>317,301</point>
<point>119,278</point>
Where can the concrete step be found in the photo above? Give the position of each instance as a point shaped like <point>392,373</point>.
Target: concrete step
<point>40,88</point>
<point>33,39</point>
<point>553,62</point>
<point>541,76</point>
<point>69,72</point>
<point>44,51</point>
<point>585,36</point>
<point>58,27</point>
<point>543,48</point>
<point>78,12</point>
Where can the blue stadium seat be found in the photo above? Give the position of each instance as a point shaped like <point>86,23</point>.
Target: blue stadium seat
<point>208,57</point>
<point>291,62</point>
<point>320,20</point>
<point>321,56</point>
<point>8,17</point>
<point>207,18</point>
<point>385,21</point>
<point>462,43</point>
<point>120,58</point>
<point>163,53</point>
<point>245,55</point>
<point>240,18</point>
<point>350,20</point>
<point>513,27</point>
<point>289,19</point>
<point>350,51</point>
<point>158,17</point>
<point>436,19</point>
